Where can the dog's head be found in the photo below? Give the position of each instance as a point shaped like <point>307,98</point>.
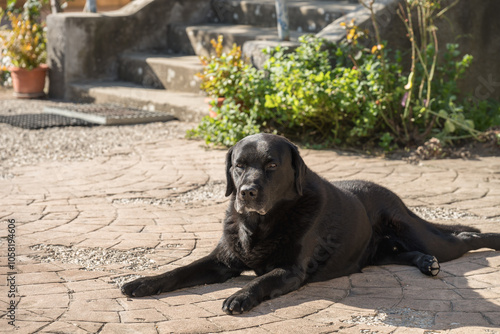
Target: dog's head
<point>262,170</point>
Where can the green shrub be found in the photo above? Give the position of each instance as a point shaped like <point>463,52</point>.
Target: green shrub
<point>230,125</point>
<point>222,71</point>
<point>347,95</point>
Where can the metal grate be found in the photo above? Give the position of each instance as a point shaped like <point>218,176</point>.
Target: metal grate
<point>108,114</point>
<point>42,121</point>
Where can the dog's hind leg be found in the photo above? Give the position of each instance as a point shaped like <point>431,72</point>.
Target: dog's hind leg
<point>446,247</point>
<point>443,247</point>
<point>427,264</point>
<point>445,242</point>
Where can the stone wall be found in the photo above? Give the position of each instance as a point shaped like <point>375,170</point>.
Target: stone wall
<point>84,46</point>
<point>475,25</point>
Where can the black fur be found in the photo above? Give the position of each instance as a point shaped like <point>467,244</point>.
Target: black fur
<point>291,227</point>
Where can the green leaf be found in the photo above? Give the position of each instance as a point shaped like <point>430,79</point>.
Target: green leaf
<point>449,127</point>
<point>469,123</point>
<point>442,113</point>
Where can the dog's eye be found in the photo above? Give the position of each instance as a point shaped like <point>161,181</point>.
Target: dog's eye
<point>272,165</point>
<point>239,165</point>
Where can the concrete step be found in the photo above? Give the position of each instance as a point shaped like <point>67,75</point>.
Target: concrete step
<point>196,39</point>
<point>304,16</point>
<point>156,70</point>
<point>182,105</point>
<point>168,82</point>
<point>248,20</point>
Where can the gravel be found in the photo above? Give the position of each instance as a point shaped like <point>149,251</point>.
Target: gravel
<point>20,147</point>
<point>203,195</point>
<point>120,280</point>
<point>441,213</point>
<point>399,317</point>
<point>92,259</point>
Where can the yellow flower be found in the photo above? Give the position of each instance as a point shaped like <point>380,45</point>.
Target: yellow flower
<point>377,47</point>
<point>25,42</point>
<point>410,81</point>
<point>351,35</point>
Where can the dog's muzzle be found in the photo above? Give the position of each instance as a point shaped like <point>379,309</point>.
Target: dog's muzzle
<point>249,199</point>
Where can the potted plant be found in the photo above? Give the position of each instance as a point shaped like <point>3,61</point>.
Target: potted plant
<point>24,45</point>
<point>221,73</point>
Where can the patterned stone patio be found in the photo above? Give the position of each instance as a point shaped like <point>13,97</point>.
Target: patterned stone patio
<point>83,228</point>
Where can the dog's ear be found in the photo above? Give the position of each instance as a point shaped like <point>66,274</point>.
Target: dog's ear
<point>300,168</point>
<point>229,178</point>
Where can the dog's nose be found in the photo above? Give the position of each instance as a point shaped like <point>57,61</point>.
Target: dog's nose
<point>248,192</point>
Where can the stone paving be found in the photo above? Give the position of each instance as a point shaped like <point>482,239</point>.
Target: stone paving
<point>82,228</point>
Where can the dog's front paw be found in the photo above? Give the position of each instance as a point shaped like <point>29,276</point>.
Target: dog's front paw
<point>145,286</point>
<point>241,301</point>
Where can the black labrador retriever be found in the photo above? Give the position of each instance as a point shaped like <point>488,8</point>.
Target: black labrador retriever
<point>291,227</point>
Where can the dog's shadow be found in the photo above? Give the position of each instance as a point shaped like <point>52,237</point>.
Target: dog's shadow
<point>465,293</point>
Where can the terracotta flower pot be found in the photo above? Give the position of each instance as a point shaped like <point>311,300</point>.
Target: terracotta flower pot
<point>28,84</point>
<point>208,100</point>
